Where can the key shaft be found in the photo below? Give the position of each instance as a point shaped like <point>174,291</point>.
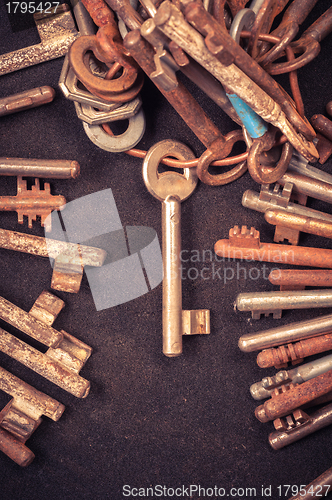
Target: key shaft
<point>172,287</point>
<point>49,169</point>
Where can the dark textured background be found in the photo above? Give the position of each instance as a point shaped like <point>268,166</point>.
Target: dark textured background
<point>149,420</point>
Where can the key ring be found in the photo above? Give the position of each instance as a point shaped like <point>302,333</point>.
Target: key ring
<point>217,149</point>
<point>265,143</point>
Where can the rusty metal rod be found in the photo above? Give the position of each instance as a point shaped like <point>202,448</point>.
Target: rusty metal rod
<point>282,404</point>
<point>322,125</point>
<point>181,100</point>
<point>26,100</point>
<point>47,247</point>
<point>280,356</point>
<point>203,21</point>
<point>265,387</point>
<point>306,185</point>
<point>318,420</point>
<point>172,23</point>
<point>267,301</point>
<point>35,403</point>
<point>303,277</point>
<point>278,254</point>
<point>299,222</point>
<point>14,449</point>
<point>29,324</point>
<point>44,365</point>
<point>254,201</point>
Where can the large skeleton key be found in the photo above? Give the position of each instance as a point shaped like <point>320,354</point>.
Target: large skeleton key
<point>171,188</point>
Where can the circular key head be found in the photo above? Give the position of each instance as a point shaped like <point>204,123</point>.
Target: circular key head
<point>163,184</point>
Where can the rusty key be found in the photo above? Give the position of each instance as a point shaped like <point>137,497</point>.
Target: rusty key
<point>22,415</point>
<point>69,258</point>
<point>65,356</point>
<point>245,244</point>
<point>294,352</point>
<point>57,32</point>
<point>191,112</point>
<point>32,202</point>
<point>293,397</point>
<point>298,279</point>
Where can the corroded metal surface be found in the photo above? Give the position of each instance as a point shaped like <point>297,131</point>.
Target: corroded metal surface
<point>322,125</point>
<point>108,48</point>
<point>261,302</point>
<point>181,100</point>
<point>245,244</point>
<point>22,415</point>
<point>69,258</point>
<point>297,430</point>
<point>264,388</point>
<point>282,404</point>
<point>66,354</point>
<point>293,17</point>
<point>57,33</point>
<point>32,202</point>
<point>173,24</point>
<point>301,277</point>
<point>280,356</point>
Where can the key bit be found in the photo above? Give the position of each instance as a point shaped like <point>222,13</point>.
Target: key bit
<point>290,422</point>
<point>294,397</point>
<point>297,430</point>
<point>298,375</point>
<point>279,198</point>
<point>69,258</point>
<point>245,244</point>
<point>32,202</point>
<point>65,356</point>
<point>22,415</point>
<point>283,199</point>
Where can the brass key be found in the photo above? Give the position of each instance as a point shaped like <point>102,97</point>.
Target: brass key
<point>171,188</point>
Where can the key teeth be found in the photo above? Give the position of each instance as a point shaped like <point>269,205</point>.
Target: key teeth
<point>244,237</point>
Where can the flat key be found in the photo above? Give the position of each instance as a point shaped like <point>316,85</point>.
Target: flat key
<point>171,188</point>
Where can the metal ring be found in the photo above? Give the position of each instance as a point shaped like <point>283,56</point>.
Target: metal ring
<point>108,87</point>
<point>214,152</point>
<point>268,177</point>
<point>118,143</point>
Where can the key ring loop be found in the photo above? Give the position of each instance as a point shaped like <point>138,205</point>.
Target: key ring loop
<point>107,87</point>
<point>255,169</point>
<point>215,150</point>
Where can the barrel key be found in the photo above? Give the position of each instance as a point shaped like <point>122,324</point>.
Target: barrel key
<point>171,188</point>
